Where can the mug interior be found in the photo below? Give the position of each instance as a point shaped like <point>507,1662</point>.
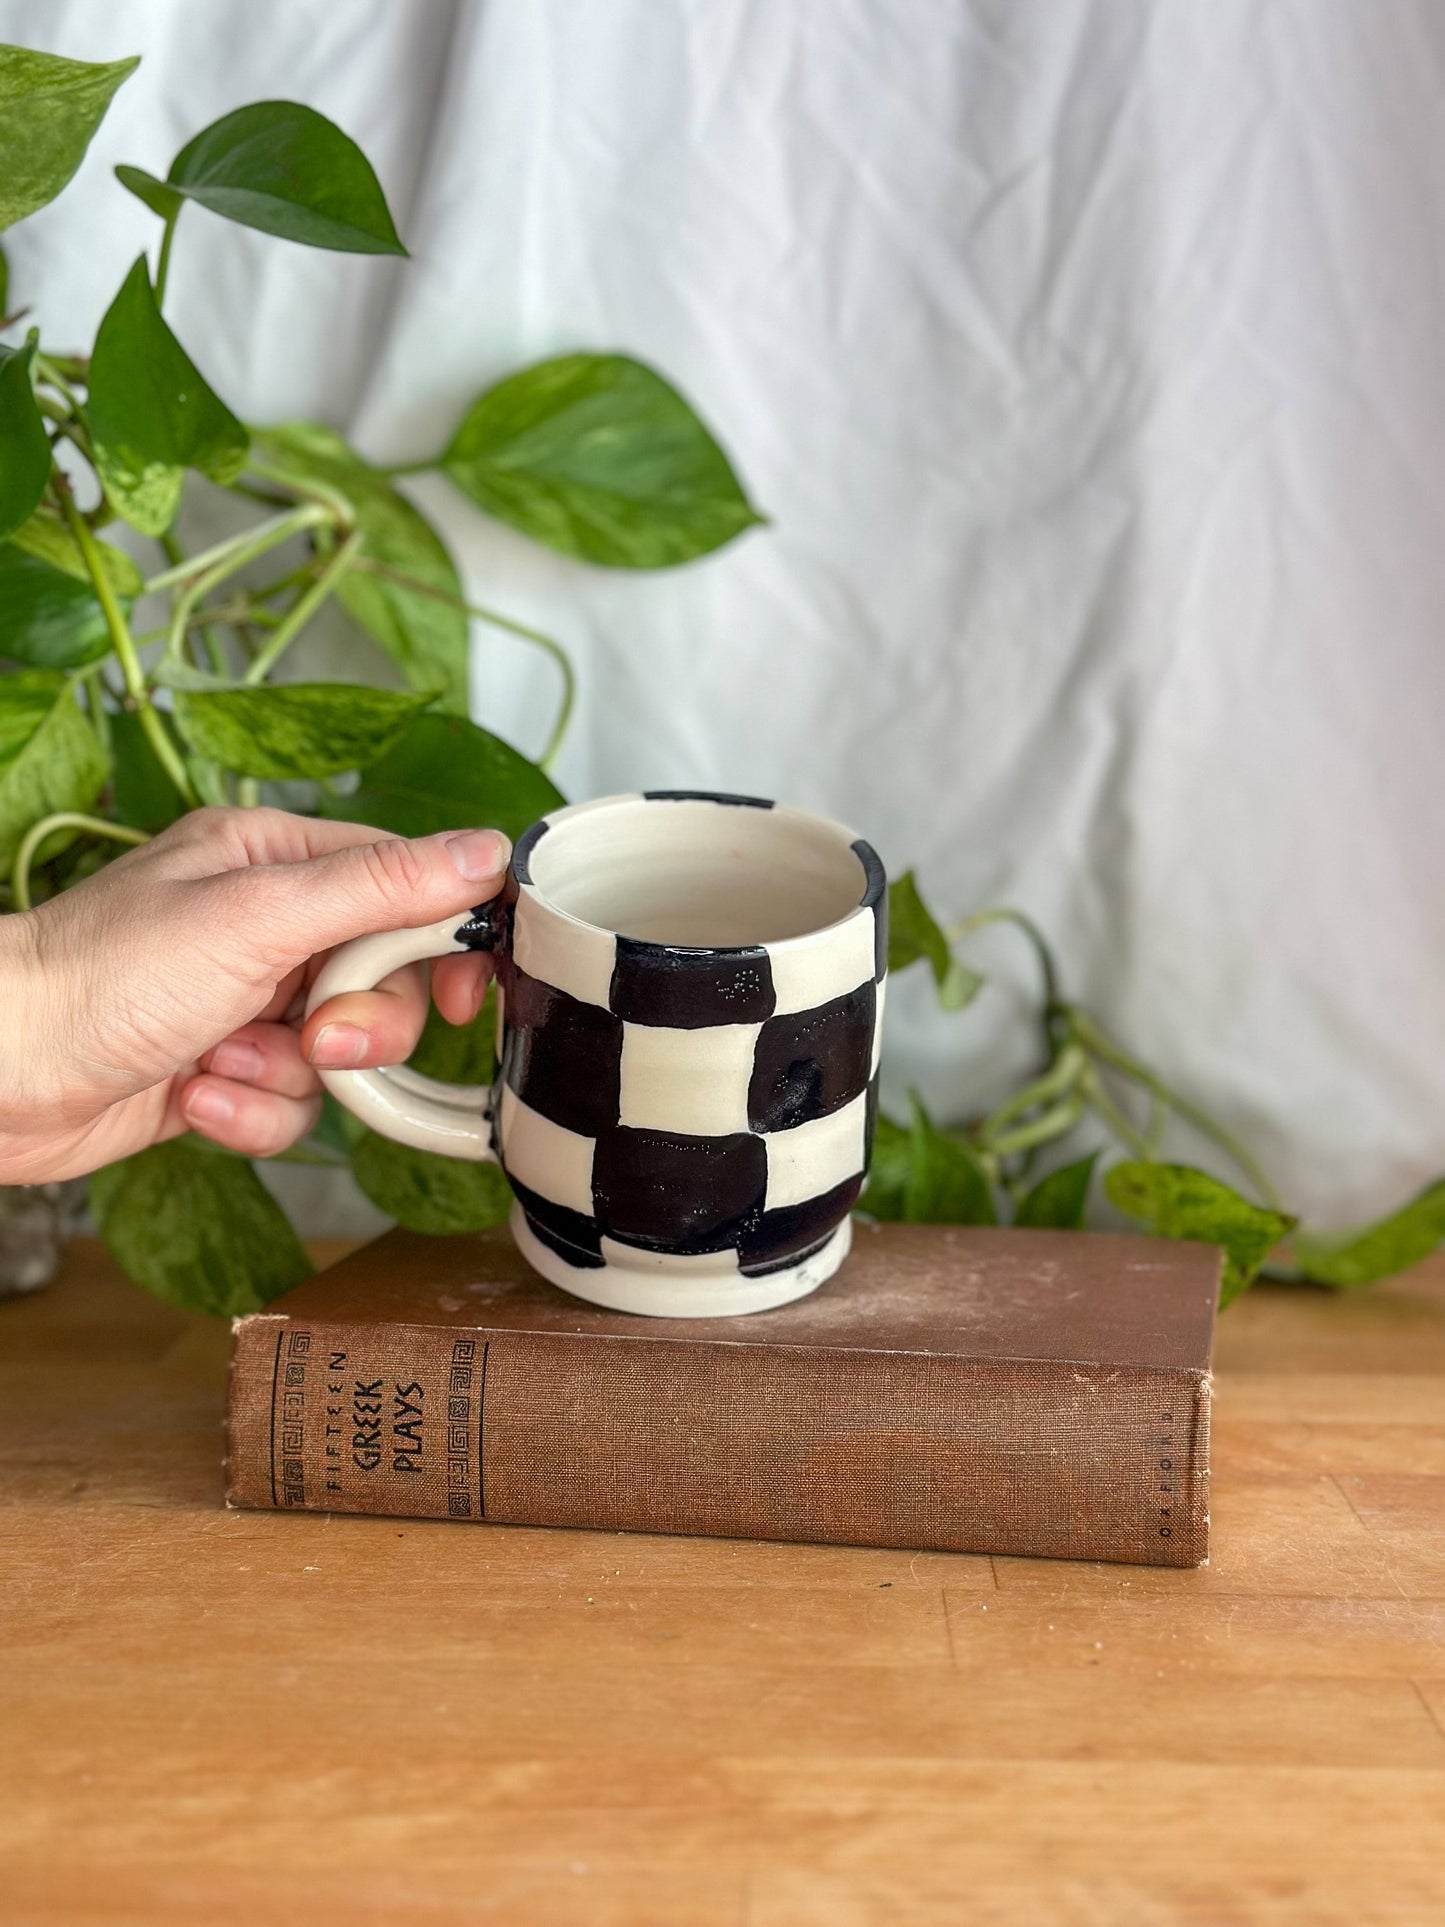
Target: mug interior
<point>693,872</point>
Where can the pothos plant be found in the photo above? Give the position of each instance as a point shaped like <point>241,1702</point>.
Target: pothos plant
<point>134,691</point>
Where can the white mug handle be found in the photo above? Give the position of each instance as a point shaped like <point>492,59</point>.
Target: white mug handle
<point>453,1119</point>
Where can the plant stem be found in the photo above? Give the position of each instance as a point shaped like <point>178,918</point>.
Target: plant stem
<point>237,552</point>
<point>135,683</point>
<point>163,265</point>
<point>1058,1079</point>
<point>1094,1094</point>
<point>339,510</point>
<point>1048,1125</point>
<point>1108,1052</point>
<point>51,371</point>
<point>409,468</point>
<point>369,566</point>
<point>303,608</point>
<point>267,534</point>
<point>1021,921</point>
<point>47,826</point>
<point>171,549</point>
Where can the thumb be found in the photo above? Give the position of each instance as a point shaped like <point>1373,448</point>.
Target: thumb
<point>291,911</point>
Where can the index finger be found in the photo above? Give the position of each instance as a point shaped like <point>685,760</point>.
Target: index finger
<point>207,842</point>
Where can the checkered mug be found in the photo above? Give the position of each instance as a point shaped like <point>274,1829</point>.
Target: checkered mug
<point>689,1015</point>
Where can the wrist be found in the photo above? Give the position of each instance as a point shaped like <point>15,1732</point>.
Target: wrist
<point>23,1076</point>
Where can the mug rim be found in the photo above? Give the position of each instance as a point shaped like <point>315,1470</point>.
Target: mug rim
<point>875,877</point>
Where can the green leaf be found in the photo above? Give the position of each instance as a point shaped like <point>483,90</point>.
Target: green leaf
<point>598,457</point>
<point>151,413</point>
<point>337,1128</point>
<point>47,538</point>
<point>198,1228</point>
<point>49,615</point>
<point>49,109</point>
<point>1176,1201</point>
<point>961,984</point>
<point>296,730</point>
<point>946,1183</point>
<point>425,636</point>
<point>446,774</point>
<point>49,757</point>
<point>143,794</point>
<point>1376,1250</point>
<point>158,197</point>
<point>286,170</point>
<point>888,1169</point>
<point>47,618</point>
<point>429,1193</point>
<point>24,446</point>
<point>1058,1202</point>
<point>459,1053</point>
<point>914,932</point>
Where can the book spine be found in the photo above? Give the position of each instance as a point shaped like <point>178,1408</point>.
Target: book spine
<point>847,1447</point>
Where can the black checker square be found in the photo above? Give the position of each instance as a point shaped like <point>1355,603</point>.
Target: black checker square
<point>571,1235</point>
<point>691,989</point>
<point>783,1236</point>
<point>559,1055</point>
<point>680,1194</point>
<point>813,1062</point>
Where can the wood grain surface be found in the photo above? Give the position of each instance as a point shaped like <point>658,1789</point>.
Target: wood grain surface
<point>212,1716</point>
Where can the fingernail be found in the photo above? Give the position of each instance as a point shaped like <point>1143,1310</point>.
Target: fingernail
<point>338,1045</point>
<point>209,1104</point>
<point>241,1061</point>
<point>479,854</point>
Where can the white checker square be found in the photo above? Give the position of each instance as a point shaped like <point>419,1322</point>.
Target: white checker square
<point>807,973</point>
<point>877,1056</point>
<point>569,956</point>
<point>692,1082</point>
<point>546,1157</point>
<point>810,1159</point>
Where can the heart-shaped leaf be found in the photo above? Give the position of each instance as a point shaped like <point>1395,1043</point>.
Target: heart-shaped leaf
<point>49,615</point>
<point>447,774</point>
<point>1176,1201</point>
<point>152,415</point>
<point>198,1228</point>
<point>914,932</point>
<point>24,446</point>
<point>1058,1202</point>
<point>49,757</point>
<point>426,1192</point>
<point>1376,1250</point>
<point>297,730</point>
<point>946,1183</point>
<point>424,634</point>
<point>284,169</point>
<point>49,108</point>
<point>599,458</point>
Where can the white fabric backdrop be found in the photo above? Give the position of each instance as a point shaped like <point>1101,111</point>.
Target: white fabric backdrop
<point>1087,357</point>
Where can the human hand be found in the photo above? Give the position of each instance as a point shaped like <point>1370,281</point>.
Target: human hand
<point>166,993</point>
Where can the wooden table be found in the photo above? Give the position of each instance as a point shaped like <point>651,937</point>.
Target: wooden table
<point>213,1716</point>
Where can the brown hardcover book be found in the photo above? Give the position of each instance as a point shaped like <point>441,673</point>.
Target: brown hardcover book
<point>967,1390</point>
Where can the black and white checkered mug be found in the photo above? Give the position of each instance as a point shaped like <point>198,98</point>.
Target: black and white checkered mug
<point>690,1008</point>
